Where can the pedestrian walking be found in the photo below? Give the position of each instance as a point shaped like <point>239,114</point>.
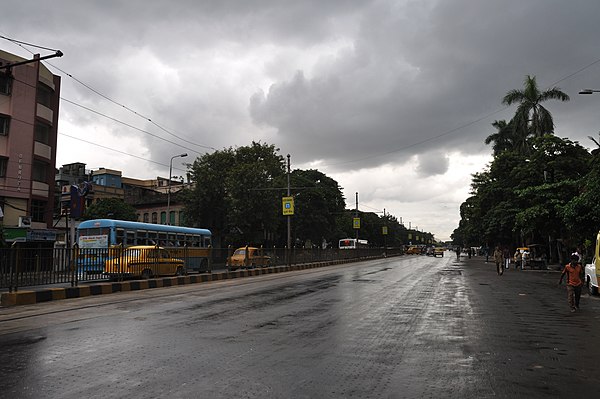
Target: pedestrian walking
<point>574,273</point>
<point>517,258</point>
<point>457,253</point>
<point>506,253</point>
<point>499,259</point>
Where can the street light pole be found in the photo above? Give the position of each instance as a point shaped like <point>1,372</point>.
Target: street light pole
<point>169,189</point>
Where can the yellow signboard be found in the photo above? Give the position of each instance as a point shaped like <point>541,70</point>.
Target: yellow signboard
<point>356,223</point>
<point>288,205</point>
<point>384,230</point>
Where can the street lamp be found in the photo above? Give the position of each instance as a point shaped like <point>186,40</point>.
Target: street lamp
<point>169,189</point>
<point>589,91</point>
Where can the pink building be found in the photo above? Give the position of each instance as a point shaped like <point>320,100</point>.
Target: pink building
<point>29,101</point>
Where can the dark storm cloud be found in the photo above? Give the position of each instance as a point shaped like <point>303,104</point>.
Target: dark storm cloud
<point>404,79</point>
<point>380,94</point>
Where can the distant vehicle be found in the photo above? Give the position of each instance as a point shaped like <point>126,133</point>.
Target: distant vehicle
<point>101,239</point>
<point>413,250</point>
<point>353,243</point>
<point>438,251</point>
<point>143,261</point>
<point>592,270</point>
<point>248,257</point>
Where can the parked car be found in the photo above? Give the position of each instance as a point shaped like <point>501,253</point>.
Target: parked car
<point>248,257</point>
<point>144,261</point>
<point>591,278</point>
<point>438,251</point>
<point>592,270</point>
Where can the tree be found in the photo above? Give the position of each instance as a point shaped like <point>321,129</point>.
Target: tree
<point>318,199</point>
<point>110,208</point>
<point>507,138</point>
<point>234,194</point>
<point>531,117</point>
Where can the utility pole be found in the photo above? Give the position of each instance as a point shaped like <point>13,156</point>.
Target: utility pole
<point>356,215</point>
<point>289,222</point>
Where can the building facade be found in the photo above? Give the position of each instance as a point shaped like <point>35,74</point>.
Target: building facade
<point>29,104</point>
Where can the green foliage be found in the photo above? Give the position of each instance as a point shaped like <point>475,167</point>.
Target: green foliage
<point>110,208</point>
<point>530,191</point>
<point>235,194</point>
<point>581,214</point>
<point>318,201</point>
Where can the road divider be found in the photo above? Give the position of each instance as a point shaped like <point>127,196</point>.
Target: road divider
<point>31,297</point>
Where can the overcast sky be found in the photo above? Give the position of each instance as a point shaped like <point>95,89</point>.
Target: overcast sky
<point>393,99</point>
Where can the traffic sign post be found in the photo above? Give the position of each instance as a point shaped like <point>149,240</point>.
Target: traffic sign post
<point>287,205</point>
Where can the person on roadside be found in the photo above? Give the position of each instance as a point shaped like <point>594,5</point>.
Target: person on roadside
<point>574,273</point>
<point>457,253</point>
<point>499,259</point>
<point>517,257</point>
<point>578,254</point>
<point>506,253</point>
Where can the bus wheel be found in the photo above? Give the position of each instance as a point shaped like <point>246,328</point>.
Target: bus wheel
<point>146,274</point>
<point>180,271</point>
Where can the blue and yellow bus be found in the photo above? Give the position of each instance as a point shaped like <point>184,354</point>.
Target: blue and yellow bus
<point>101,239</point>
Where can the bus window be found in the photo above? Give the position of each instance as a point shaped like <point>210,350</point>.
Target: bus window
<point>142,237</point>
<point>130,238</point>
<point>120,236</point>
<point>162,238</point>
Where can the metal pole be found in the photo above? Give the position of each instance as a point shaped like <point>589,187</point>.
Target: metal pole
<point>356,215</point>
<point>169,189</point>
<point>289,223</point>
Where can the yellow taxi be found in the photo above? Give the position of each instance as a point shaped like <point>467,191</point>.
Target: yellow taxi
<point>248,257</point>
<point>143,261</point>
<point>438,251</point>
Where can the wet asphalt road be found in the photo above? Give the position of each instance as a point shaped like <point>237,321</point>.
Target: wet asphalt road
<point>406,327</point>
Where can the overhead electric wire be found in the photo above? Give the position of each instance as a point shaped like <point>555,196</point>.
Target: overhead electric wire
<point>110,99</point>
<point>119,151</point>
<point>462,126</point>
<point>27,44</point>
<point>130,126</point>
<point>20,43</point>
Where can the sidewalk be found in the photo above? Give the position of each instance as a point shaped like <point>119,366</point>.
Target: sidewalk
<point>555,267</point>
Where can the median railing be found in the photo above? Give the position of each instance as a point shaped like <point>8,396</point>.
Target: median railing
<point>26,267</point>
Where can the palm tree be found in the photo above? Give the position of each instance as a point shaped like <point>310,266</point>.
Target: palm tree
<point>507,138</point>
<point>595,151</point>
<point>531,117</point>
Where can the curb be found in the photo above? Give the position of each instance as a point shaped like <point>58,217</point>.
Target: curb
<point>53,294</point>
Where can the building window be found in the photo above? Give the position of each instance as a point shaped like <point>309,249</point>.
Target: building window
<point>44,95</point>
<point>42,133</point>
<point>181,219</point>
<point>3,166</point>
<point>4,125</point>
<point>172,218</point>
<point>163,217</point>
<point>154,217</point>
<point>5,83</point>
<point>38,210</point>
<point>146,218</point>
<point>40,171</point>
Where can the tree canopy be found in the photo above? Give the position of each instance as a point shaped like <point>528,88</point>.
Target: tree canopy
<point>110,208</point>
<point>539,188</point>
